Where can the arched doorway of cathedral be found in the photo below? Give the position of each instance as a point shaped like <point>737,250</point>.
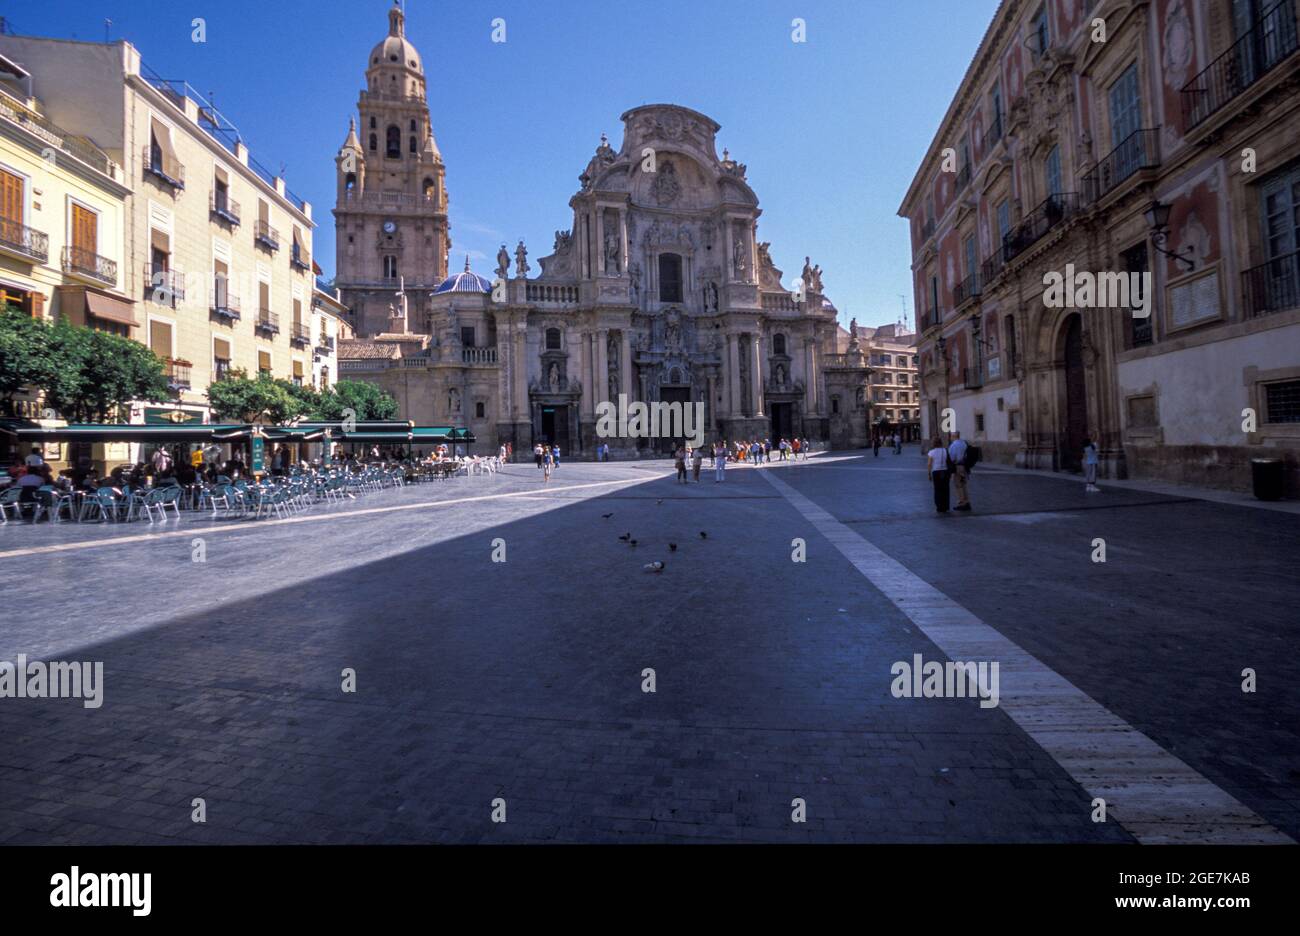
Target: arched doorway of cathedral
<point>1072,422</point>
<point>674,391</point>
<point>782,417</point>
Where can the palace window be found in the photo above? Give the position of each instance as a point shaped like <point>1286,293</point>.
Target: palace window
<point>670,278</point>
<point>390,267</point>
<point>414,147</point>
<point>467,336</point>
<point>394,147</point>
<point>480,410</point>
<point>1052,171</point>
<point>1282,402</point>
<point>1134,260</point>
<point>552,339</point>
<point>413,125</point>
<point>778,344</point>
<point>1042,36</point>
<point>374,143</point>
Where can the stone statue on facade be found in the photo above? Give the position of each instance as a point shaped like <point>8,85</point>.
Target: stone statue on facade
<point>555,378</point>
<point>738,257</point>
<point>634,270</point>
<point>612,264</point>
<point>503,262</point>
<point>521,260</point>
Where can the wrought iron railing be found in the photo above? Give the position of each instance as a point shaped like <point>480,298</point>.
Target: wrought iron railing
<point>52,133</point>
<point>162,285</point>
<point>157,164</point>
<point>224,302</point>
<point>266,235</point>
<point>990,268</point>
<point>20,238</point>
<point>1139,150</point>
<point>1051,212</point>
<point>178,374</point>
<point>1250,58</point>
<point>268,321</point>
<point>225,207</point>
<point>300,333</point>
<point>85,262</point>
<point>974,377</point>
<point>299,257</point>
<point>969,288</point>
<point>1273,286</point>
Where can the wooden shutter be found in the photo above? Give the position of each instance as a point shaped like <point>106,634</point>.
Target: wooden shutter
<point>85,230</point>
<point>11,197</point>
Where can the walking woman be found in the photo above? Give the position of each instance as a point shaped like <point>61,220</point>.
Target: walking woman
<point>719,461</point>
<point>937,465</point>
<point>548,464</point>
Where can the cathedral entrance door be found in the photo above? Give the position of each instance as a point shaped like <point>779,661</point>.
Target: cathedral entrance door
<point>555,427</point>
<point>1076,398</point>
<point>782,421</point>
<point>672,395</point>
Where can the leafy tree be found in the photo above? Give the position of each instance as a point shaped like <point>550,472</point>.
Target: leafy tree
<point>85,374</point>
<point>25,354</point>
<point>366,400</point>
<point>261,399</point>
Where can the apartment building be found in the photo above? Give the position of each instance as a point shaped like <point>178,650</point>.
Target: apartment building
<point>63,206</point>
<point>217,251</point>
<point>329,326</point>
<point>1156,140</point>
<point>894,387</point>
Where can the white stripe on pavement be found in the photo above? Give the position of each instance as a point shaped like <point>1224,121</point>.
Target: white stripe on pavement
<point>1154,795</point>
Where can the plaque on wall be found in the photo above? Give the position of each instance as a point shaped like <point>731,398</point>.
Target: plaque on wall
<point>1194,300</point>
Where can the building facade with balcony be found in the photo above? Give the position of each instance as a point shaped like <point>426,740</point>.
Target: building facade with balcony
<point>63,207</point>
<point>1169,151</point>
<point>215,251</point>
<point>893,387</point>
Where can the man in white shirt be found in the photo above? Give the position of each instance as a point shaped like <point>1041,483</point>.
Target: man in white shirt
<point>937,465</point>
<point>960,473</point>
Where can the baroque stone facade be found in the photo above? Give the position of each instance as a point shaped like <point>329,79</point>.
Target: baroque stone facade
<point>659,289</point>
<point>1171,150</point>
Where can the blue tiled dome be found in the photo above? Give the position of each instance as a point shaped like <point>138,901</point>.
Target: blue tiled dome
<point>464,282</point>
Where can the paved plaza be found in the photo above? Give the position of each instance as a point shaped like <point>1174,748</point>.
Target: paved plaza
<point>522,680</point>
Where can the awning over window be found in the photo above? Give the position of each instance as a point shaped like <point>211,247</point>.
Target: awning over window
<point>110,308</point>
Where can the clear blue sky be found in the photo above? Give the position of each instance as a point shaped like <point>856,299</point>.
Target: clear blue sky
<point>832,130</point>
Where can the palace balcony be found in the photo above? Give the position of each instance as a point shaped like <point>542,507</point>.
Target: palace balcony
<point>993,134</point>
<point>1139,151</point>
<point>928,320</point>
<point>551,293</point>
<point>299,334</point>
<point>967,289</point>
<point>79,261</point>
<point>973,378</point>
<point>18,240</point>
<point>299,258</point>
<point>963,177</point>
<point>1265,46</point>
<point>479,356</point>
<point>991,268</point>
<point>1051,212</point>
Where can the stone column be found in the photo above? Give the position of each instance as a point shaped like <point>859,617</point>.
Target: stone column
<point>601,377</point>
<point>625,363</point>
<point>521,367</point>
<point>622,238</point>
<point>733,376</point>
<point>584,370</point>
<point>810,374</point>
<point>728,265</point>
<point>756,352</point>
<point>600,239</point>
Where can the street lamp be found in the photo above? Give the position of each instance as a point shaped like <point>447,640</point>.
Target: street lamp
<point>1157,215</point>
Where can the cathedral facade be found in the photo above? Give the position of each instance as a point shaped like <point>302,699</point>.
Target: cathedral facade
<point>658,291</point>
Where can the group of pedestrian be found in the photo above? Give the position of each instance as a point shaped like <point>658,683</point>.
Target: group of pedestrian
<point>951,464</point>
<point>759,451</point>
<point>547,458</point>
<point>894,441</point>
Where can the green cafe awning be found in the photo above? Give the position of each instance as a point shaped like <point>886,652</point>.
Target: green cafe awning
<point>378,425</point>
<point>127,432</point>
<point>294,433</point>
<point>431,435</point>
<point>375,438</point>
<point>464,435</point>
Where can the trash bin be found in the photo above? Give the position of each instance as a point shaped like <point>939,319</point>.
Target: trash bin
<point>1268,477</point>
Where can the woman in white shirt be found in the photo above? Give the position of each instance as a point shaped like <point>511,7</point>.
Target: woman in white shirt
<point>939,469</point>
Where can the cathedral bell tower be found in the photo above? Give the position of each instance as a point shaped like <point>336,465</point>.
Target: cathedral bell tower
<point>390,219</point>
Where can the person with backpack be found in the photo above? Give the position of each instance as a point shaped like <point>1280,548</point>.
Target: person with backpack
<point>959,455</point>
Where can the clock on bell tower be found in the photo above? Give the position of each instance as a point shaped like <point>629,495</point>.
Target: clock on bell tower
<point>390,215</point>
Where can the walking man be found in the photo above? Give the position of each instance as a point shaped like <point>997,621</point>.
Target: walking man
<point>1090,460</point>
<point>719,461</point>
<point>679,458</point>
<point>957,452</point>
<point>697,459</point>
<point>936,464</point>
<point>875,444</point>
